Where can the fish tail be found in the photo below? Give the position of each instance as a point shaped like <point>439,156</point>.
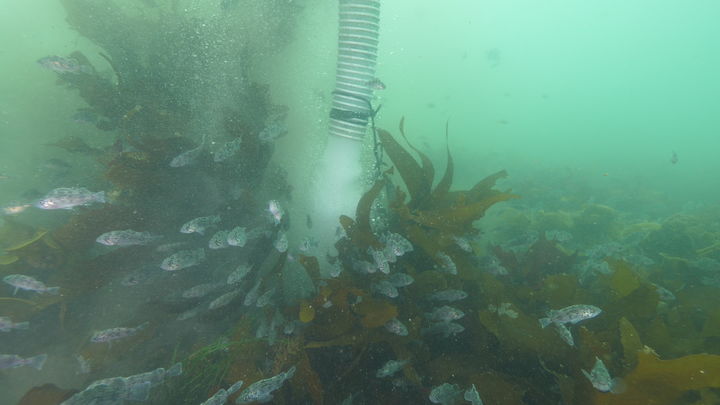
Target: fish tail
<point>53,290</point>
<point>290,373</point>
<point>142,326</point>
<point>37,362</point>
<point>21,325</point>
<point>175,370</point>
<point>100,197</point>
<point>544,322</point>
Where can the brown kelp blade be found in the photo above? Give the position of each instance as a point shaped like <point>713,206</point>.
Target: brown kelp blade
<point>443,187</point>
<point>428,170</point>
<point>409,169</point>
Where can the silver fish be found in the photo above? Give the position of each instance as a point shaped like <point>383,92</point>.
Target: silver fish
<point>23,282</point>
<point>397,244</point>
<point>66,198</point>
<point>238,274</point>
<point>223,300</point>
<point>386,288</point>
<point>126,237</point>
<point>446,329</point>
<point>6,324</point>
<point>60,64</point>
<point>448,295</point>
<point>261,391</point>
<point>572,314</point>
<point>253,294</point>
<point>219,240</point>
<point>200,290</point>
<point>600,378</point>
<point>265,298</point>
<point>190,313</point>
<point>380,260</point>
<point>395,326</point>
<point>276,211</point>
<point>335,269</point>
<point>183,259</point>
<point>565,334</point>
<point>463,243</point>
<point>237,236</point>
<point>376,84</point>
<point>108,335</point>
<point>15,361</point>
<point>117,390</point>
<point>272,132</point>
<point>200,224</point>
<point>400,279</point>
<point>390,368</point>
<point>189,156</point>
<point>445,394</point>
<point>281,243</point>
<point>445,314</point>
<point>447,265</point>
<point>222,395</point>
<point>227,150</point>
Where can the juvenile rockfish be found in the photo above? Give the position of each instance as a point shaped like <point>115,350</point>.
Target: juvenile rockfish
<point>219,240</point>
<point>183,259</point>
<point>189,156</point>
<point>200,290</point>
<point>22,282</point>
<point>200,224</point>
<point>445,314</point>
<point>390,368</point>
<point>261,391</point>
<point>15,361</point>
<point>237,236</point>
<point>600,378</point>
<point>127,237</point>
<point>395,326</point>
<point>6,324</point>
<point>66,198</point>
<point>572,314</point>
<point>227,150</point>
<point>276,211</point>
<point>222,395</point>
<point>108,335</point>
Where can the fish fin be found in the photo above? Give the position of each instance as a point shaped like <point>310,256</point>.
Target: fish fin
<point>142,326</point>
<point>53,290</point>
<point>21,325</point>
<point>235,387</point>
<point>290,372</point>
<point>544,322</point>
<point>139,392</point>
<point>37,361</point>
<point>16,290</point>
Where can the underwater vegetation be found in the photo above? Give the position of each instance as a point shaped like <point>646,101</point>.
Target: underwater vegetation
<point>433,290</point>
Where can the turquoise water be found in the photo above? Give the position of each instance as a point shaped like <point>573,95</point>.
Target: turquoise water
<point>601,114</point>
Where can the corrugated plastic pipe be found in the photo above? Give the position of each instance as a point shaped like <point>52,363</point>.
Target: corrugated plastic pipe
<point>356,63</point>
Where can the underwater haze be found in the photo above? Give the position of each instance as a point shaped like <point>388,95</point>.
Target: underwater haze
<point>532,217</point>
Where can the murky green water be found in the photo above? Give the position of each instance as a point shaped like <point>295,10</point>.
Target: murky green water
<point>163,125</point>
